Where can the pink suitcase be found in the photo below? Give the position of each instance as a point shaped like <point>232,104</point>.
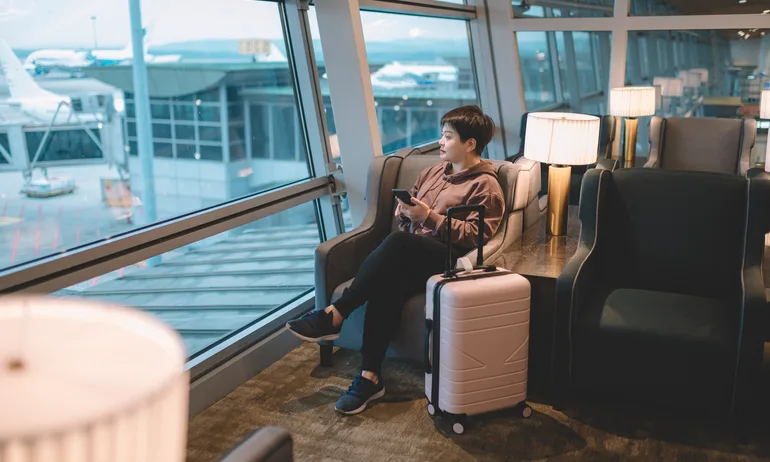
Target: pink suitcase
<point>476,339</point>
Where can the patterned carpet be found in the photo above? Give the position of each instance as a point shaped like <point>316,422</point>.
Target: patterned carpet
<point>297,394</point>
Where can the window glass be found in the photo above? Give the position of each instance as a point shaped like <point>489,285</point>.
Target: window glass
<point>586,65</point>
<point>536,69</point>
<point>573,9</point>
<point>679,8</point>
<point>5,149</point>
<point>213,288</point>
<point>418,64</point>
<point>200,77</point>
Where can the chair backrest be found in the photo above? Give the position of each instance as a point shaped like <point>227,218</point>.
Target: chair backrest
<point>675,231</point>
<point>606,136</point>
<point>702,144</point>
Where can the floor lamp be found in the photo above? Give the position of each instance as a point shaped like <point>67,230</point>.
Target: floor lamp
<point>561,139</point>
<point>84,381</point>
<point>670,88</point>
<point>631,103</point>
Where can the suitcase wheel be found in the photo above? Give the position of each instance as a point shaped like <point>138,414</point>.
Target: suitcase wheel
<point>458,426</point>
<point>431,409</point>
<point>526,411</point>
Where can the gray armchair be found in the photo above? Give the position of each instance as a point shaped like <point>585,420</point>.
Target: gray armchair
<point>337,260</point>
<point>701,144</point>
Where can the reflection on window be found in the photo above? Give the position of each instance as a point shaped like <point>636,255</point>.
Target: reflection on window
<point>573,9</point>
<point>421,68</point>
<point>5,149</point>
<point>224,120</point>
<point>586,65</point>
<point>660,8</point>
<point>218,286</point>
<point>536,70</point>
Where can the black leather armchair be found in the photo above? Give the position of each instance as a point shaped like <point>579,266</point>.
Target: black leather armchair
<point>605,160</point>
<point>702,144</point>
<point>664,299</point>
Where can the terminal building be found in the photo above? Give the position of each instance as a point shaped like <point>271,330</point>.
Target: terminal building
<point>237,176</point>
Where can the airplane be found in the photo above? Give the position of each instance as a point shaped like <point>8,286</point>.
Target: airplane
<point>43,61</point>
<point>398,75</point>
<point>35,101</point>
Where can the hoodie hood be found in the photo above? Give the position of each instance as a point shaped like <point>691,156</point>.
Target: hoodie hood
<point>484,167</point>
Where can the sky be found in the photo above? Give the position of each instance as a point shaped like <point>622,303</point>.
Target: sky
<point>34,24</point>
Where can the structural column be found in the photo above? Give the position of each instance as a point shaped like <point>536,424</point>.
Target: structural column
<point>350,87</point>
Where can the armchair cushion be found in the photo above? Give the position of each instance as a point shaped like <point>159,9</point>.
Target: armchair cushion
<point>701,144</point>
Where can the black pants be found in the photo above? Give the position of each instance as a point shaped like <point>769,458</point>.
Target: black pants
<point>395,271</point>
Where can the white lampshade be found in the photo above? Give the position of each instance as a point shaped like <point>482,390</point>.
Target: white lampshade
<point>81,381</point>
<point>669,86</point>
<point>632,101</point>
<point>562,138</point>
<point>764,106</point>
<point>691,79</point>
<point>704,74</point>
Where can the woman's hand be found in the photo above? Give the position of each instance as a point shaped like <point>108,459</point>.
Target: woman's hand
<point>416,213</point>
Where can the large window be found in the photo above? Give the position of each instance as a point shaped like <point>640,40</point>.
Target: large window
<point>224,118</point>
<point>671,8</point>
<point>536,69</point>
<point>420,68</point>
<point>213,288</point>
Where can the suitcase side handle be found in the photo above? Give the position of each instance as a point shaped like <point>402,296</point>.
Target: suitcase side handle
<point>428,330</point>
<point>480,241</point>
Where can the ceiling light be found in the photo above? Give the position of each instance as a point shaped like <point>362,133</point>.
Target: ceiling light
<point>741,33</point>
<point>741,1</point>
<point>766,12</point>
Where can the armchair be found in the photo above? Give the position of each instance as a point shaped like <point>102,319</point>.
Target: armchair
<point>702,144</point>
<point>338,259</point>
<point>664,298</point>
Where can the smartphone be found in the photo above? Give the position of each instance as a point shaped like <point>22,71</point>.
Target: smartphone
<point>404,195</point>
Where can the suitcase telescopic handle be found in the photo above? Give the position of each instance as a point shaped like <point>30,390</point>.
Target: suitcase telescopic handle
<point>428,330</point>
<point>479,244</point>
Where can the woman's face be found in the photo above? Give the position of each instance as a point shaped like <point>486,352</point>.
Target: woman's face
<point>452,149</point>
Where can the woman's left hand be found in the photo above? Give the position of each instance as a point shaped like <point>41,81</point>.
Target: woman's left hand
<point>417,213</point>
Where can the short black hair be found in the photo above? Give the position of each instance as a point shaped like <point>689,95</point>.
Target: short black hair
<point>471,122</point>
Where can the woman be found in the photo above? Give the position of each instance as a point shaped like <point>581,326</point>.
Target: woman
<point>402,264</point>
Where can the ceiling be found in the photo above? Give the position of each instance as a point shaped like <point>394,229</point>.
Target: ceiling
<point>720,6</point>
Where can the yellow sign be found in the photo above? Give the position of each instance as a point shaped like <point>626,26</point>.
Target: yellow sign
<point>253,47</point>
<point>117,193</point>
<point>7,221</point>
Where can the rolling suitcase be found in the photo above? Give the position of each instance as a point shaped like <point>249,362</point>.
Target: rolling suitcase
<point>476,338</point>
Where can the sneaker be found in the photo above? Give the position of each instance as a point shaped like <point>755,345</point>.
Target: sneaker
<point>314,326</point>
<point>360,393</point>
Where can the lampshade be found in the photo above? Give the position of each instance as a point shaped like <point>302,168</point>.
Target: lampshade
<point>669,86</point>
<point>85,381</point>
<point>690,79</point>
<point>562,138</point>
<point>632,101</point>
<point>704,74</point>
<point>764,105</point>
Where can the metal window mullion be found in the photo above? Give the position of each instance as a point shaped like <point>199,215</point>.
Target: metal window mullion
<point>247,128</point>
<point>553,54</point>
<point>224,122</point>
<point>573,77</point>
<point>313,111</point>
<point>80,264</point>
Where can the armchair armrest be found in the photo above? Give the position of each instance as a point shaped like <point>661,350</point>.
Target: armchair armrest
<point>657,133</point>
<point>267,444</point>
<point>578,280</point>
<point>607,164</point>
<point>339,258</point>
<point>754,316</point>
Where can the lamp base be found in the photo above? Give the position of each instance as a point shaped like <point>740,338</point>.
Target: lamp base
<point>629,155</point>
<point>558,199</point>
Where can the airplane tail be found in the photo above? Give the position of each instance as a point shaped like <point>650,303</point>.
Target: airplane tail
<point>20,84</point>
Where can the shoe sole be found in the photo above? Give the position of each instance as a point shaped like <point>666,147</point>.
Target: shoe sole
<point>361,409</point>
<point>310,339</point>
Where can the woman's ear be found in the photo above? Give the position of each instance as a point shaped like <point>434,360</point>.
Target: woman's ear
<point>471,147</point>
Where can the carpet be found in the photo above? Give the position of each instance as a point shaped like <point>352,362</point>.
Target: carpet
<point>298,395</point>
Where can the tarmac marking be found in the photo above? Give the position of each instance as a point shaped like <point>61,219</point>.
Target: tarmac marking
<point>7,221</point>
